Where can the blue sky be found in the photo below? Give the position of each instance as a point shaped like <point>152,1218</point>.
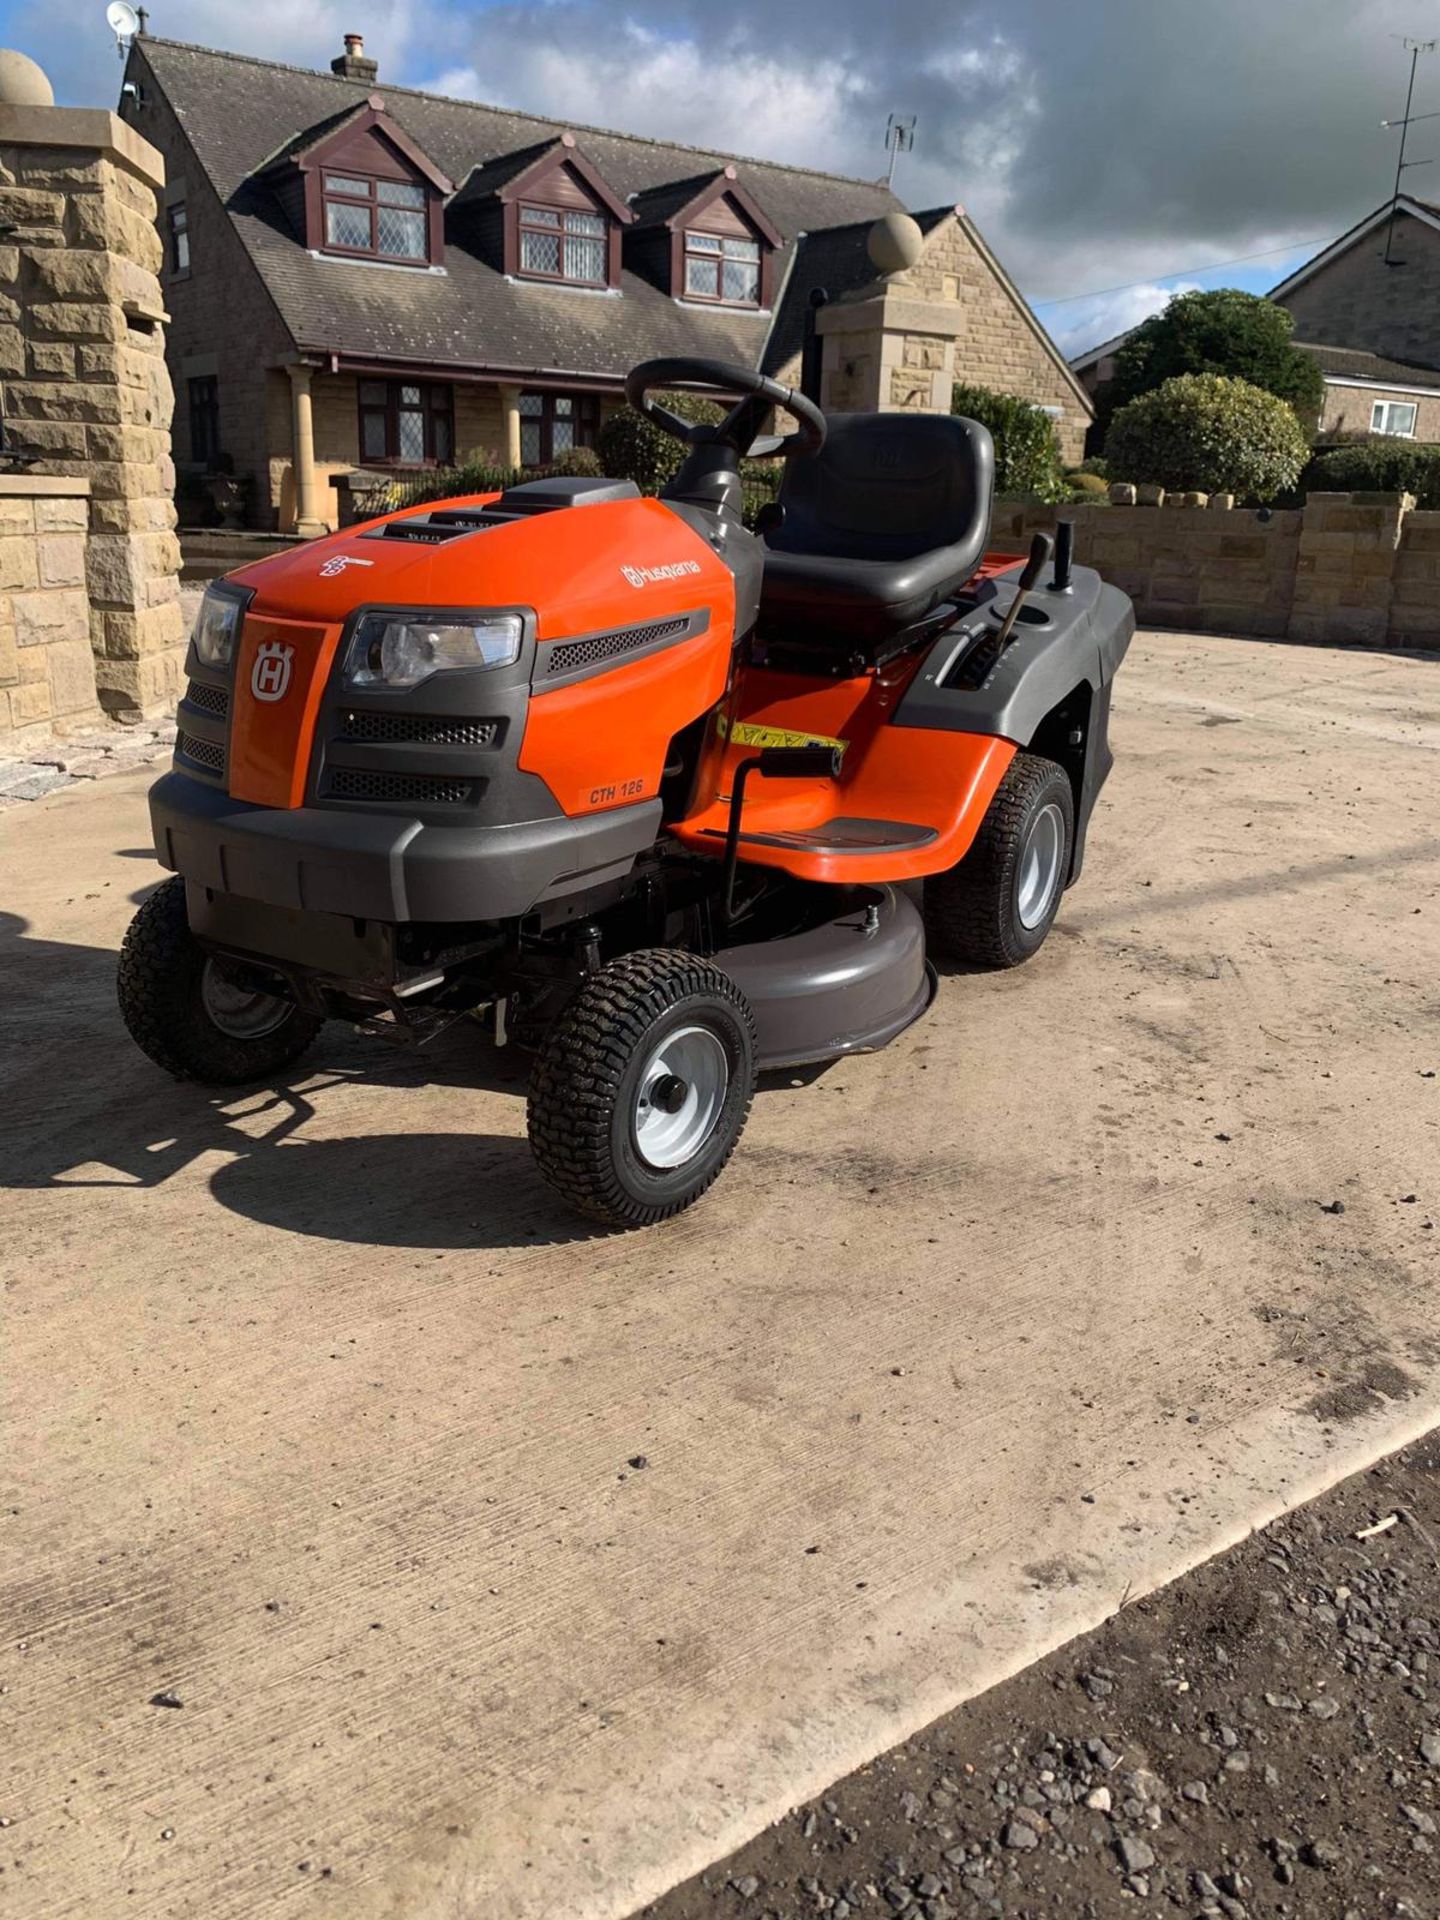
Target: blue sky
<point>1110,151</point>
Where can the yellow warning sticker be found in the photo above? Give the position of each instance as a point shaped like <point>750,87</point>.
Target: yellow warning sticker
<point>746,733</point>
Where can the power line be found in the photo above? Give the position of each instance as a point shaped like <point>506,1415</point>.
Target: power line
<point>1175,272</point>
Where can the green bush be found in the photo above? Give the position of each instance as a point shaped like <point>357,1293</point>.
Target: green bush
<point>1223,331</point>
<point>1379,465</point>
<point>633,448</point>
<point>1027,451</point>
<point>1087,485</point>
<point>1206,432</point>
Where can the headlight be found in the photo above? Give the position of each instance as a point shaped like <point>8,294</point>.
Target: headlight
<point>216,625</point>
<point>401,650</point>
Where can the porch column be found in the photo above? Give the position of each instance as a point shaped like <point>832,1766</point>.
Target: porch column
<point>302,439</point>
<point>510,411</point>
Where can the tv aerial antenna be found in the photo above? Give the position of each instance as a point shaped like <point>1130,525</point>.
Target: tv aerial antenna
<point>126,23</point>
<point>1414,48</point>
<point>899,138</point>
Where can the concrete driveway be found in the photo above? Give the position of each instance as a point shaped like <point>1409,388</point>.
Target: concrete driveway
<point>331,1581</point>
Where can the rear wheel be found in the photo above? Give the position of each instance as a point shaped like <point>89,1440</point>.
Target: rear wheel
<point>643,1086</point>
<point>194,1015</point>
<point>995,907</point>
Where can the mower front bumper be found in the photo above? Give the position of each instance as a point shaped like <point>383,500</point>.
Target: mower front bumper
<point>375,865</point>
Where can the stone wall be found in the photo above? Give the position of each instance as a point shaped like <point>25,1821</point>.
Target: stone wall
<point>84,381</point>
<point>1348,568</point>
<point>47,671</point>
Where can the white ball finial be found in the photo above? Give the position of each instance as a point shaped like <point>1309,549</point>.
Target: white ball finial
<point>894,243</point>
<point>22,82</point>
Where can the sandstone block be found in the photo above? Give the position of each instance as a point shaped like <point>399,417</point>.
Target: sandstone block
<point>99,222</point>
<point>1122,494</point>
<point>148,687</point>
<point>72,678</point>
<point>1222,502</point>
<point>61,400</point>
<point>30,207</point>
<point>30,702</point>
<point>17,514</point>
<point>47,615</point>
<point>77,320</point>
<point>9,655</point>
<point>12,351</point>
<point>17,562</point>
<point>59,514</point>
<point>130,635</point>
<point>51,360</point>
<point>61,559</point>
<point>1150,496</point>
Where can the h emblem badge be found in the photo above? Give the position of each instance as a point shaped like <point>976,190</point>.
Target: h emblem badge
<point>270,676</point>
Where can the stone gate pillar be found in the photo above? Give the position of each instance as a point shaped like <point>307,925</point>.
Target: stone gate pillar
<point>83,383</point>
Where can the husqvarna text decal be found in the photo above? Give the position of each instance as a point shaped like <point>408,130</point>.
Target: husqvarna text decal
<point>673,570</point>
<point>270,675</point>
<point>340,561</point>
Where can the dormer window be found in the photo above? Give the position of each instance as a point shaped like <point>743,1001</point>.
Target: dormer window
<point>720,267</point>
<point>385,219</point>
<point>563,243</point>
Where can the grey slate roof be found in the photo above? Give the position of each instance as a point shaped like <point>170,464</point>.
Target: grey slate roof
<point>1354,363</point>
<point>239,113</point>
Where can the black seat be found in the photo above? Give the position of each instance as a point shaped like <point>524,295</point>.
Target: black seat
<point>887,521</point>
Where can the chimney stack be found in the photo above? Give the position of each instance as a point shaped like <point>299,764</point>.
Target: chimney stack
<point>352,64</point>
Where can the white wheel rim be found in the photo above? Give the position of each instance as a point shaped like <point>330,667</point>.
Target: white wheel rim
<point>237,1011</point>
<point>679,1097</point>
<point>1040,866</point>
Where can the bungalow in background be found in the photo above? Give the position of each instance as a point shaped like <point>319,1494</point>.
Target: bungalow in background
<point>389,281</point>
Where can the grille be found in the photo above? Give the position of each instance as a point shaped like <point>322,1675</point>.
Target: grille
<point>417,789</point>
<point>214,700</point>
<point>606,646</point>
<point>204,753</point>
<point>419,729</point>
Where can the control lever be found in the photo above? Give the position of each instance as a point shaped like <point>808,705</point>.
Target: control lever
<point>774,763</point>
<point>1064,556</point>
<point>1041,548</point>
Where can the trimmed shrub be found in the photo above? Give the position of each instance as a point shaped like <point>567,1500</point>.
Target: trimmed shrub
<point>1202,431</point>
<point>1379,465</point>
<point>1086,486</point>
<point>1027,449</point>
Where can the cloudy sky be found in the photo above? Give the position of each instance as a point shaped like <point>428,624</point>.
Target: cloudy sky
<point>1112,150</point>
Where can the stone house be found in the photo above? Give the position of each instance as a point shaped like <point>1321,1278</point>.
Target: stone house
<point>391,279</point>
<point>1368,309</point>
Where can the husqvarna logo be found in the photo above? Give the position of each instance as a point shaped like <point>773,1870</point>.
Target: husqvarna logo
<point>339,562</point>
<point>270,675</point>
<point>674,570</point>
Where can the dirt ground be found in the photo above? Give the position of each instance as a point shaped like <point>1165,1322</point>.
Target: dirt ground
<point>329,1580</point>
<point>1262,1737</point>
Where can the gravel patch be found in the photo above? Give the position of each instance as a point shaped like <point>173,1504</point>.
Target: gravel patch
<point>1260,1738</point>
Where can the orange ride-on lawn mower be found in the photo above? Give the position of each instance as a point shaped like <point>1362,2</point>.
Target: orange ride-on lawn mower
<point>634,782</point>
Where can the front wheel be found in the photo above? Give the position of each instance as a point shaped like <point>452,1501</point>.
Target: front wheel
<point>995,907</point>
<point>191,1013</point>
<point>642,1087</point>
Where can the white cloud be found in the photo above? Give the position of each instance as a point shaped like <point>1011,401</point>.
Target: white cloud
<point>1086,322</point>
<point>646,82</point>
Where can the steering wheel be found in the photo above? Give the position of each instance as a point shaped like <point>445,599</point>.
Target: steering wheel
<point>716,379</point>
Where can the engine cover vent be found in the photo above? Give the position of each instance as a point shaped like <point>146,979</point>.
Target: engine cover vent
<point>214,700</point>
<point>407,789</point>
<point>568,655</point>
<point>203,753</point>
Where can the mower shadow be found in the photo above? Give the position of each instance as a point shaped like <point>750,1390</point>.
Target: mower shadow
<point>85,1109</point>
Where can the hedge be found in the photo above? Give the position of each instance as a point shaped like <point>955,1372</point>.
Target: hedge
<point>1027,450</point>
<point>1380,465</point>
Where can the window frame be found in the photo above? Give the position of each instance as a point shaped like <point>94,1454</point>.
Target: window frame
<point>560,233</point>
<point>371,203</point>
<point>202,400</point>
<point>584,420</point>
<point>390,409</point>
<point>177,232</point>
<point>717,255</point>
<point>1383,409</point>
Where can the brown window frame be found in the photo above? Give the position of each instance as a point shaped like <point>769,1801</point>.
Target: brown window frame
<point>202,395</point>
<point>543,227</point>
<point>371,203</point>
<point>177,233</point>
<point>431,408</point>
<point>584,420</point>
<point>717,257</point>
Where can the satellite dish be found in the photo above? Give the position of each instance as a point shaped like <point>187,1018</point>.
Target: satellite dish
<point>122,20</point>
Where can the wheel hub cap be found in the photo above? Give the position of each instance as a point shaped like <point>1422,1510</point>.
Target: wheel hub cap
<point>680,1096</point>
<point>1039,879</point>
<point>237,1010</point>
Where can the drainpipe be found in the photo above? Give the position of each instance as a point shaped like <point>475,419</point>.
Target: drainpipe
<point>510,411</point>
<point>812,348</point>
<point>308,523</point>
